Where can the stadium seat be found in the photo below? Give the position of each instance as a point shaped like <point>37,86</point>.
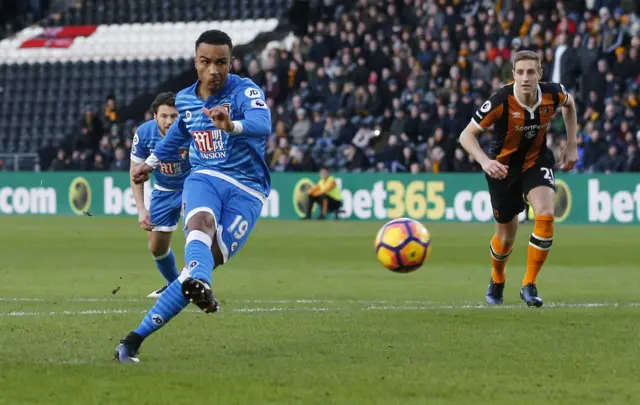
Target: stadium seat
<point>77,84</point>
<point>109,61</point>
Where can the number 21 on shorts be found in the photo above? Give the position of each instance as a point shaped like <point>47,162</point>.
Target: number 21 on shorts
<point>548,174</point>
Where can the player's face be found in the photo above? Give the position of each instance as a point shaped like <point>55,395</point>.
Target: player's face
<point>213,63</point>
<point>324,174</point>
<point>165,116</point>
<point>527,73</point>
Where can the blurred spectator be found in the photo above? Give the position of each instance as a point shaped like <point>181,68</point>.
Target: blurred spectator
<point>280,150</point>
<point>120,161</point>
<point>58,163</point>
<point>610,162</point>
<point>301,128</point>
<point>98,163</point>
<point>632,163</point>
<point>111,110</point>
<point>357,160</point>
<point>461,162</point>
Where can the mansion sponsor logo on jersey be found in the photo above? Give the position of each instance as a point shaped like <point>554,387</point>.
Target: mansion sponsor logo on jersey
<point>210,144</point>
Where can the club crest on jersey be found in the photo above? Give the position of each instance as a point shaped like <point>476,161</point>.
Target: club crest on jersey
<point>184,153</point>
<point>210,144</point>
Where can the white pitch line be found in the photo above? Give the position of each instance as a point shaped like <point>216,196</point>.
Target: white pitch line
<point>373,304</point>
<point>316,309</point>
<point>21,299</point>
<point>471,306</point>
<point>53,313</point>
<point>275,309</point>
<point>144,311</point>
<point>289,301</point>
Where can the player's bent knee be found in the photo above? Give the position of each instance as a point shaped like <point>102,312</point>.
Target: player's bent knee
<point>159,251</point>
<point>159,244</point>
<point>506,233</point>
<point>546,208</point>
<point>202,221</point>
<point>506,238</point>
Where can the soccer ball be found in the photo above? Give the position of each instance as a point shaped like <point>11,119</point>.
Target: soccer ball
<point>403,245</point>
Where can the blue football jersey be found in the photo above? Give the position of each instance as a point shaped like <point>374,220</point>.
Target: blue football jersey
<point>171,172</point>
<point>237,157</point>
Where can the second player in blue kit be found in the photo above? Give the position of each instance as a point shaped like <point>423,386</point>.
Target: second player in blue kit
<point>165,207</point>
<point>227,120</point>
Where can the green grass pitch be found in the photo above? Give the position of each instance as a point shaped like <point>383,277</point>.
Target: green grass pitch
<point>310,318</point>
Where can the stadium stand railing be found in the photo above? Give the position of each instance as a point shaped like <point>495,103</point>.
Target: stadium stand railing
<point>17,162</point>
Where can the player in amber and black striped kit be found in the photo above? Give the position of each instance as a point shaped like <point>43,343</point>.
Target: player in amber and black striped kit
<point>519,166</point>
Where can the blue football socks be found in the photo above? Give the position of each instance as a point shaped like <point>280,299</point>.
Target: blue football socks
<point>198,256</point>
<point>200,263</point>
<point>170,303</point>
<point>167,266</point>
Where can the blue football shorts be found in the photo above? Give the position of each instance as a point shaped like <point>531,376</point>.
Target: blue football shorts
<point>165,210</point>
<point>235,208</point>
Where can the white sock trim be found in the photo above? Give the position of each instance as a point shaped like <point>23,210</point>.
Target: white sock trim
<point>201,237</point>
<point>538,247</point>
<point>186,273</point>
<point>164,256</point>
<point>541,238</point>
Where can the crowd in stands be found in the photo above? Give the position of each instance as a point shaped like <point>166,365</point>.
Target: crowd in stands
<point>389,86</point>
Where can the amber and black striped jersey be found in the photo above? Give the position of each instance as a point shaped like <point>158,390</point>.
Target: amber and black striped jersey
<point>519,135</point>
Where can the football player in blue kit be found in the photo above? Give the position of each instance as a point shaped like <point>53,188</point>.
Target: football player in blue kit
<point>165,206</point>
<point>227,120</point>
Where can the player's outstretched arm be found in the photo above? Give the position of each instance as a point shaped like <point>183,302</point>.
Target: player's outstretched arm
<point>175,137</point>
<point>569,155</point>
<point>257,117</point>
<point>256,122</point>
<point>469,141</point>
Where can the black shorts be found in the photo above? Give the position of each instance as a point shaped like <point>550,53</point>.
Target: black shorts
<point>333,204</point>
<point>508,197</point>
